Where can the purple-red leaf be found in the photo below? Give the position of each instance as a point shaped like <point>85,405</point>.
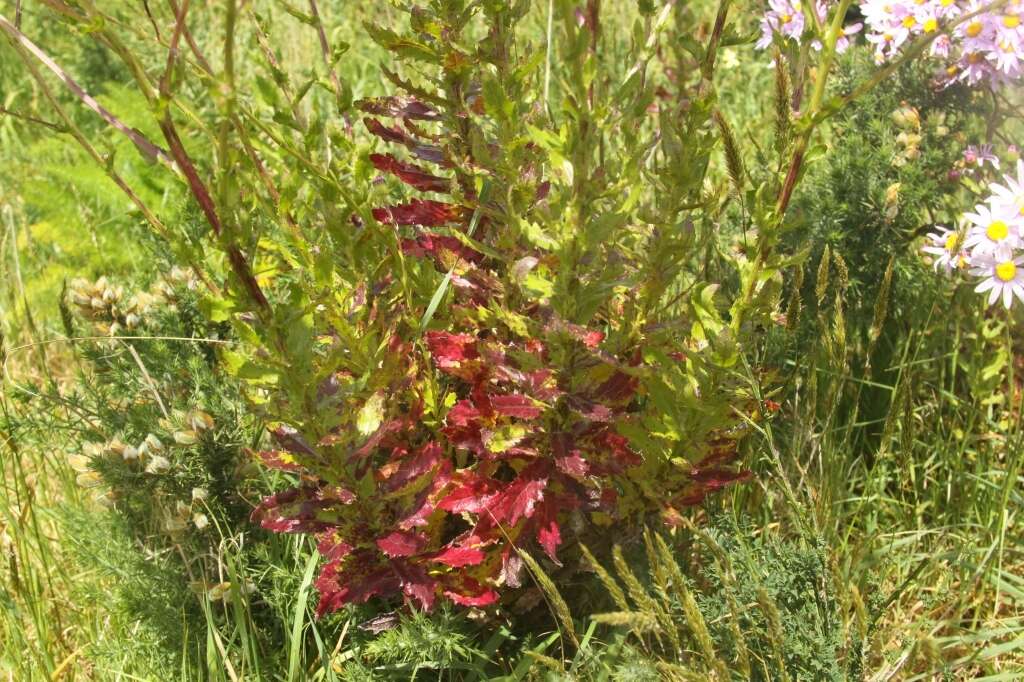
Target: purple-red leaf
<point>427,213</point>
<point>473,496</point>
<point>450,350</point>
<point>457,557</point>
<point>416,584</point>
<point>550,537</point>
<point>400,544</point>
<point>472,593</point>
<point>572,465</point>
<point>398,107</point>
<point>424,152</point>
<point>409,174</point>
<point>278,459</point>
<point>435,246</point>
<point>518,500</point>
<point>515,405</point>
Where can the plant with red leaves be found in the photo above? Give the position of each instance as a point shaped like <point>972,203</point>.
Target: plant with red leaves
<point>538,390</point>
<point>502,315</point>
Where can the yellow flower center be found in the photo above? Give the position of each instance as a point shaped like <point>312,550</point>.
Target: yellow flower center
<point>1006,271</point>
<point>974,28</point>
<point>952,242</point>
<point>786,18</point>
<point>909,21</point>
<point>997,231</point>
<point>1011,21</point>
<point>947,3</point>
<point>974,58</point>
<point>930,25</point>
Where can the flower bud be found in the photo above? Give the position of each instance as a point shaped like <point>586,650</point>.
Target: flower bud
<point>186,437</point>
<point>200,421</point>
<point>130,453</point>
<point>79,463</point>
<point>200,521</point>
<point>115,447</point>
<point>89,479</point>
<point>158,464</point>
<point>199,494</point>
<point>154,443</point>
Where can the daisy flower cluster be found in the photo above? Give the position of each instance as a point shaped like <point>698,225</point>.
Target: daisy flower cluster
<point>985,48</point>
<point>990,243</point>
<point>787,20</point>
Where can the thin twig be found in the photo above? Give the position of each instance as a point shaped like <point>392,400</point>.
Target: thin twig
<point>149,149</point>
<point>148,379</point>
<point>32,119</point>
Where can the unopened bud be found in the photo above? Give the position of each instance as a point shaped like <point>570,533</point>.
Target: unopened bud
<point>200,421</point>
<point>89,479</point>
<point>186,437</point>
<point>158,464</point>
<point>79,463</point>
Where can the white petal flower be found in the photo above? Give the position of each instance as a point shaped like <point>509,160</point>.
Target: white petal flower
<point>1004,278</point>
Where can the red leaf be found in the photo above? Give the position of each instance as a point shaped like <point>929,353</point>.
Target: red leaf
<point>472,496</point>
<point>518,500</point>
<point>472,594</point>
<point>409,174</point>
<point>437,246</point>
<point>549,537</point>
<point>716,478</point>
<point>450,350</point>
<point>427,213</point>
<point>387,134</point>
<point>292,511</point>
<point>278,459</point>
<point>416,584</point>
<point>399,544</point>
<point>425,503</point>
<point>619,387</point>
<point>425,461</point>
<point>463,414</point>
<point>425,152</point>
<point>572,465</point>
<point>332,547</point>
<point>516,405</point>
<point>619,447</point>
<point>292,441</point>
<point>361,580</point>
<point>457,557</point>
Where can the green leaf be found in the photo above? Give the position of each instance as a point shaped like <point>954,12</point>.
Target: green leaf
<point>371,415</point>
